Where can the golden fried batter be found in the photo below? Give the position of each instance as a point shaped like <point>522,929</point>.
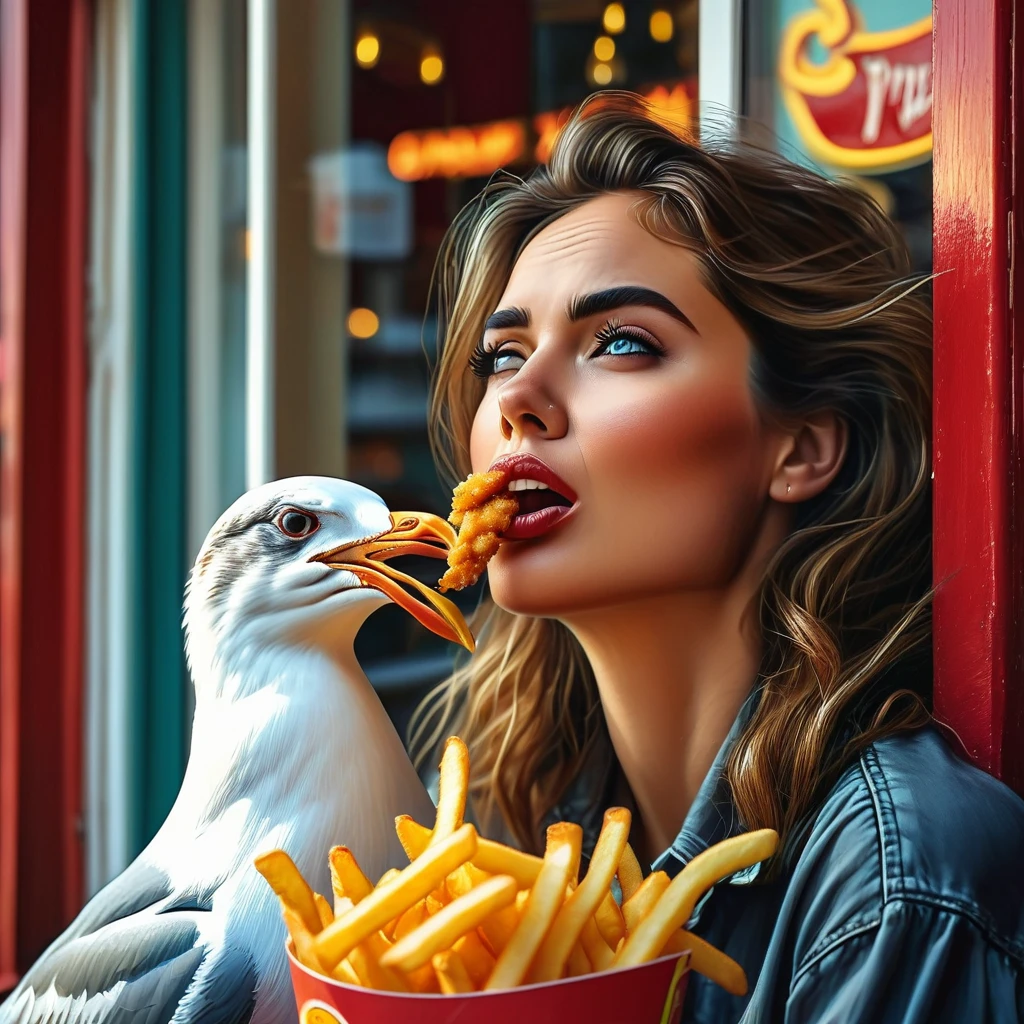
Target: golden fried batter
<point>482,513</point>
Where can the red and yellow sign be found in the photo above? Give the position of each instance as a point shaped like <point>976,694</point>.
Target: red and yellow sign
<point>867,107</point>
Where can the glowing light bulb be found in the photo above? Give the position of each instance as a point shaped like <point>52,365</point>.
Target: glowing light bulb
<point>602,74</point>
<point>367,50</point>
<point>604,48</point>
<point>614,19</point>
<point>363,322</point>
<point>661,26</point>
<point>431,69</point>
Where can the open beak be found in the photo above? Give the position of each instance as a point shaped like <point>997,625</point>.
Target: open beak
<point>411,533</point>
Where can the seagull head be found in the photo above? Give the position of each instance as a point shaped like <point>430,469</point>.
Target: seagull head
<point>304,560</point>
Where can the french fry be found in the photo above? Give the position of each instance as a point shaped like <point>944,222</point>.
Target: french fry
<point>497,859</point>
<point>677,902</point>
<point>453,788</point>
<point>599,953</point>
<point>469,914</point>
<point>292,889</point>
<point>410,919</point>
<point>461,880</point>
<point>387,901</point>
<point>362,966</point>
<point>498,929</point>
<point>707,960</point>
<point>412,835</point>
<point>610,922</point>
<point>365,960</point>
<point>579,963</point>
<point>302,939</point>
<point>346,972</point>
<point>580,907</point>
<point>642,902</point>
<point>491,857</point>
<point>451,973</point>
<point>347,878</point>
<point>563,845</point>
<point>478,961</point>
<point>441,931</point>
<point>423,980</point>
<point>630,874</point>
<point>324,910</point>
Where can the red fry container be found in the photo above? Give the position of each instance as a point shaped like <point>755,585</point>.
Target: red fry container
<point>649,994</point>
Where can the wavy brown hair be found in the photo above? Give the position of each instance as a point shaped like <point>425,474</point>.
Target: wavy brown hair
<point>822,282</point>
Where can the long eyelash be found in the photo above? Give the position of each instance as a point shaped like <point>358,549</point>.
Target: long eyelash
<point>614,329</point>
<point>481,361</point>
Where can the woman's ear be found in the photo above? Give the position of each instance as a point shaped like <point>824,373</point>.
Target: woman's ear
<point>810,458</point>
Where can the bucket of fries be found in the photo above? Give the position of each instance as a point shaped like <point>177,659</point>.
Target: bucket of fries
<point>473,930</point>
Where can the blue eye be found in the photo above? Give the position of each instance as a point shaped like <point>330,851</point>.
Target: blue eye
<point>487,362</point>
<point>507,361</point>
<point>616,340</point>
<point>626,346</point>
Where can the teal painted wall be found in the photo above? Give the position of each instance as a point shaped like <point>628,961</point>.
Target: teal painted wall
<point>878,15</point>
<point>160,328</point>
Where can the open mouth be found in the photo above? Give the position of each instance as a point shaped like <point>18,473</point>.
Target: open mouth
<point>537,499</point>
<point>412,533</point>
<point>544,498</point>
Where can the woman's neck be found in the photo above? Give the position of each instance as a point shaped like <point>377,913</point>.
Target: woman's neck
<point>672,671</point>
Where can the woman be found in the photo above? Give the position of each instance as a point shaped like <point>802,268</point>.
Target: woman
<point>718,610</point>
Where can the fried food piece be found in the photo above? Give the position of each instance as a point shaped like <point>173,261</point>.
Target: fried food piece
<point>482,513</point>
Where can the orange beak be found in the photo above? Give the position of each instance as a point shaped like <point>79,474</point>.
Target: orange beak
<point>411,533</point>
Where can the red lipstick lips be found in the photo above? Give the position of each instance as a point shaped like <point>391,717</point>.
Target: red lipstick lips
<point>531,524</point>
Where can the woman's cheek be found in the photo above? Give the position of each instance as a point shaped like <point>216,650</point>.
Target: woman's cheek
<point>485,436</point>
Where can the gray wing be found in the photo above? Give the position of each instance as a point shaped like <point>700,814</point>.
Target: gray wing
<point>135,972</point>
<point>138,887</point>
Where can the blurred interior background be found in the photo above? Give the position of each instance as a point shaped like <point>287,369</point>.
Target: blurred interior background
<point>219,220</point>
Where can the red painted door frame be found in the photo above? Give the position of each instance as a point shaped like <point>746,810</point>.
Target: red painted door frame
<point>979,380</point>
<point>43,208</point>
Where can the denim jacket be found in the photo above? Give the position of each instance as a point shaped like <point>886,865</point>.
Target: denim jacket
<point>905,903</point>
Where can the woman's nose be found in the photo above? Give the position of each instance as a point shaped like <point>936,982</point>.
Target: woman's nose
<point>529,410</point>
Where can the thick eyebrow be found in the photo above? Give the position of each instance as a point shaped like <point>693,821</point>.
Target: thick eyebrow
<point>583,306</point>
<point>513,316</point>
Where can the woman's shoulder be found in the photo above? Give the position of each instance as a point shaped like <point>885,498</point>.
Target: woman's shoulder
<point>912,821</point>
<point>940,821</point>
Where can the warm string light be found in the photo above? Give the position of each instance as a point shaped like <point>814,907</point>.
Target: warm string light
<point>604,48</point>
<point>614,19</point>
<point>363,322</point>
<point>602,74</point>
<point>367,50</point>
<point>431,69</point>
<point>661,26</point>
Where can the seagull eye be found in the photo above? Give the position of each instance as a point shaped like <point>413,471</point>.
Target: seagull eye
<point>293,523</point>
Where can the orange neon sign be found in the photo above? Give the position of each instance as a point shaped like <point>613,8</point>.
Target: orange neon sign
<point>456,152</point>
<point>479,150</point>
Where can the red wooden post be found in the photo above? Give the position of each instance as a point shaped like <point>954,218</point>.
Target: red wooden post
<point>42,272</point>
<point>979,377</point>
<point>13,36</point>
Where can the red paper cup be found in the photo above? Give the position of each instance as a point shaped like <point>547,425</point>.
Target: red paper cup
<point>649,994</point>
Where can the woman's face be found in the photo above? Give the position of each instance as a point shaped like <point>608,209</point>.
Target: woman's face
<point>610,362</point>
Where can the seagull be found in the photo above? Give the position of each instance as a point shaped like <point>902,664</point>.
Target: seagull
<point>290,749</point>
